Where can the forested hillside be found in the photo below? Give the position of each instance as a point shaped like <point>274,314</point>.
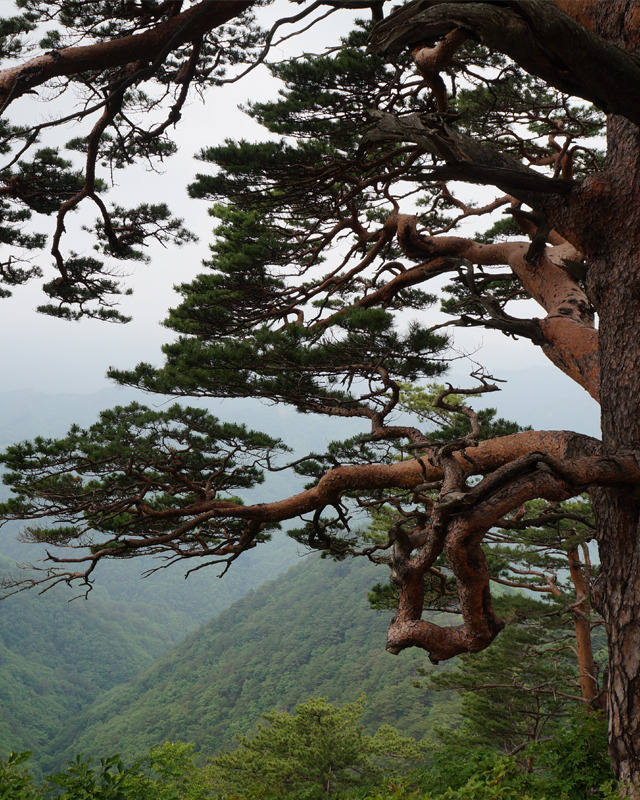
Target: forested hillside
<point>310,632</point>
<point>57,657</point>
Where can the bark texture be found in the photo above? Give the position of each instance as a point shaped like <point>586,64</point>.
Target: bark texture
<point>582,625</point>
<point>568,45</point>
<point>542,38</point>
<point>614,285</point>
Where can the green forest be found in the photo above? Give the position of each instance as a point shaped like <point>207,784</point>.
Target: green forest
<point>310,636</point>
<point>60,657</point>
<point>114,678</point>
<point>310,543</point>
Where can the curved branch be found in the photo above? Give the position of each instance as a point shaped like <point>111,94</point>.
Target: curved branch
<point>531,476</point>
<point>466,159</point>
<point>568,336</point>
<point>551,464</point>
<point>431,60</point>
<point>544,40</point>
<point>574,456</point>
<point>175,31</point>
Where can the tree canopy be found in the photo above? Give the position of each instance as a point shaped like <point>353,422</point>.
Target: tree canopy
<point>333,235</point>
<point>318,752</point>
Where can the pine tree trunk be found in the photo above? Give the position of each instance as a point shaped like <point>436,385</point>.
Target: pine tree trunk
<point>582,626</point>
<point>618,511</point>
<point>614,283</point>
<point>611,242</point>
<point>619,601</point>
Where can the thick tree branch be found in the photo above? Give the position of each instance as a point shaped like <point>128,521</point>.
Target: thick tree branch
<point>567,333</point>
<point>572,456</point>
<point>525,478</point>
<point>540,37</point>
<point>466,159</point>
<point>148,45</point>
<point>432,60</point>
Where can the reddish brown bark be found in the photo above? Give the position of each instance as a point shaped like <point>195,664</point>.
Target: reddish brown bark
<point>574,454</point>
<point>568,336</point>
<point>146,46</point>
<point>460,533</point>
<point>539,36</point>
<point>611,244</point>
<point>552,465</point>
<point>583,12</point>
<point>581,611</point>
<point>615,287</point>
<point>431,60</point>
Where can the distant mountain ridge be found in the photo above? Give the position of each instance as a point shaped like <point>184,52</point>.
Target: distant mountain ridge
<point>57,657</point>
<point>97,675</point>
<point>308,633</point>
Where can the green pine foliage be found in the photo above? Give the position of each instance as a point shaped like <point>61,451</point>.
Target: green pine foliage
<point>516,692</point>
<point>141,105</point>
<point>319,751</point>
<point>167,772</point>
<point>241,325</point>
<point>571,764</point>
<point>149,460</point>
<point>442,425</point>
<point>575,761</point>
<point>133,228</point>
<point>11,31</point>
<point>306,294</point>
<point>46,181</point>
<point>522,694</point>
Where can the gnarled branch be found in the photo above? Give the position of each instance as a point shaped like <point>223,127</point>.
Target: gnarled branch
<point>544,40</point>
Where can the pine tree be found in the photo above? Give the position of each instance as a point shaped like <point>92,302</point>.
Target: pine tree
<point>131,68</point>
<point>542,665</point>
<point>319,751</point>
<point>316,295</point>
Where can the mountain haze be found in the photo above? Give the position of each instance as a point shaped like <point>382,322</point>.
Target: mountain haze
<point>309,632</point>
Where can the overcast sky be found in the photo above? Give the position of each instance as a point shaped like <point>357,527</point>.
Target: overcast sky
<point>42,353</point>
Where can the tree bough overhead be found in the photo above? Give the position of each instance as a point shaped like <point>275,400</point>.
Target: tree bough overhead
<point>333,238</point>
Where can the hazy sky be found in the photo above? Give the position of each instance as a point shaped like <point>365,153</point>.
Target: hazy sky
<point>42,353</point>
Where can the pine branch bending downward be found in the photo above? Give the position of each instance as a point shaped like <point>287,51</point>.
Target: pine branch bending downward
<point>319,291</point>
